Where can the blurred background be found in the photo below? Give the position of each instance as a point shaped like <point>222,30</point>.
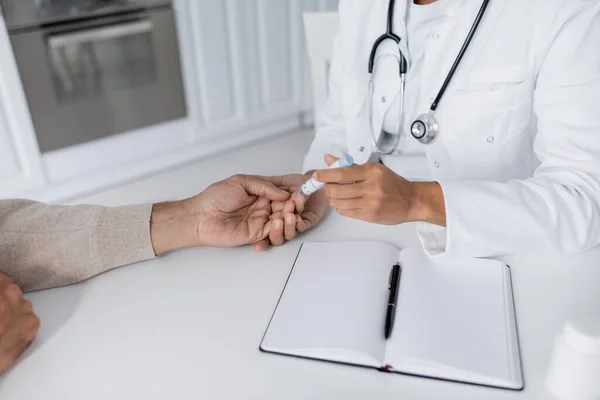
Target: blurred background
<point>94,93</point>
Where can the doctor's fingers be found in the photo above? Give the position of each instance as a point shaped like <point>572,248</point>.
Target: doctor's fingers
<point>345,190</point>
<point>356,173</point>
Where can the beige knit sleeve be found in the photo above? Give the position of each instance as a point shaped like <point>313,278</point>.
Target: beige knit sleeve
<point>43,246</point>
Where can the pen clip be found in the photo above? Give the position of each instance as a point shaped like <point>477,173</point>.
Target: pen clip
<point>392,275</point>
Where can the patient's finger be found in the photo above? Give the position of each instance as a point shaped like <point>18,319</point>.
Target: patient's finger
<point>276,234</point>
<point>278,206</point>
<point>275,215</point>
<point>290,206</point>
<point>306,221</point>
<point>261,245</point>
<point>300,201</point>
<point>290,226</point>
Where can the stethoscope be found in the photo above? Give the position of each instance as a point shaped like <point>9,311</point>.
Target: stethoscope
<point>425,128</point>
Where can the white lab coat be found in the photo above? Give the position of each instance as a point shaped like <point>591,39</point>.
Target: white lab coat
<point>518,154</point>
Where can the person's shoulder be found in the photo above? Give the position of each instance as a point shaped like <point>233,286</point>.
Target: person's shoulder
<point>550,13</point>
<point>533,6</point>
<point>552,6</point>
<point>578,6</point>
<point>542,4</point>
<point>587,3</point>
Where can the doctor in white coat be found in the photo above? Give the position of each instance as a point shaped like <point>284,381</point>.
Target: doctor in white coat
<point>515,167</point>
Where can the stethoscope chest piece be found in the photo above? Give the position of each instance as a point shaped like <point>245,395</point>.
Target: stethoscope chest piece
<point>425,128</point>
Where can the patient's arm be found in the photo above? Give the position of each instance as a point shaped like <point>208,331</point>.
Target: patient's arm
<point>43,246</point>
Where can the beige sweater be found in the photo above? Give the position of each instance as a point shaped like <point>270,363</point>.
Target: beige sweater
<point>44,246</point>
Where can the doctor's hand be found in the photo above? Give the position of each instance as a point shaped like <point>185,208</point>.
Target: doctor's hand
<point>230,213</point>
<point>296,215</point>
<point>374,193</point>
<point>18,323</point>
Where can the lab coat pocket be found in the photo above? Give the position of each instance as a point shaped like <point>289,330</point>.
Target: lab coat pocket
<point>488,134</point>
<point>490,118</point>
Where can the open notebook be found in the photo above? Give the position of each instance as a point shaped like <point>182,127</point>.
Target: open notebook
<point>454,317</point>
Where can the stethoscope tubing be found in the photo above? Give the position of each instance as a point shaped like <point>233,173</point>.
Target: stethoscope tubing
<point>431,123</point>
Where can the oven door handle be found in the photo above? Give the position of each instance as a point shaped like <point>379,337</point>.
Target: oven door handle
<point>98,34</point>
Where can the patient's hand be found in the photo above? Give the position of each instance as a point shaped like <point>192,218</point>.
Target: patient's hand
<point>18,323</point>
<point>296,215</point>
<point>230,213</point>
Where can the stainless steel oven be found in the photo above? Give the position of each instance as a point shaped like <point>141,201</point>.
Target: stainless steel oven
<point>102,71</point>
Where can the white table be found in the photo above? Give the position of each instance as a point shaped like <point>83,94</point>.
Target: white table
<point>188,325</point>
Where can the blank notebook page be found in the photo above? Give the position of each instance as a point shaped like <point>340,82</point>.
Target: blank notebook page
<point>452,314</point>
<point>334,303</point>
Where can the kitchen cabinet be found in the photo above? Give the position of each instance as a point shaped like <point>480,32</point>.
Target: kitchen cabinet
<point>246,78</point>
<point>20,161</point>
<point>275,59</point>
<point>251,63</point>
<point>218,92</point>
<point>9,165</point>
<point>20,167</point>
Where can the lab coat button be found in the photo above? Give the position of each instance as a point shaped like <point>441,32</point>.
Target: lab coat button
<point>436,164</point>
<point>490,139</point>
<point>361,148</point>
<point>436,35</point>
<point>383,99</point>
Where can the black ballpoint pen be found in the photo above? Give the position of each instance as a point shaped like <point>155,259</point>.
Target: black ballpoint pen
<point>393,298</point>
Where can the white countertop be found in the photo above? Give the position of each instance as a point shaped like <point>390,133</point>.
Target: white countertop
<point>188,325</point>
